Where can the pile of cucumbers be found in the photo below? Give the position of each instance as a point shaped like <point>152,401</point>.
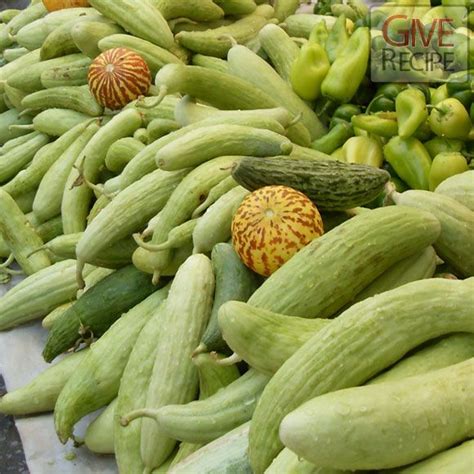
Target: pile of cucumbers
<point>356,355</point>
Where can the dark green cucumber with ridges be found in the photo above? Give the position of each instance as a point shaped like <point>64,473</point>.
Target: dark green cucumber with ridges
<point>331,184</point>
<point>234,281</point>
<point>98,309</point>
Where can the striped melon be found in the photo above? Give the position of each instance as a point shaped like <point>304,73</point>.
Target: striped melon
<point>117,77</point>
<point>271,225</point>
<point>53,5</point>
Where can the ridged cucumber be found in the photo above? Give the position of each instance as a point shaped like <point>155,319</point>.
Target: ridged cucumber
<point>99,437</point>
<point>459,187</point>
<point>56,122</point>
<point>65,76</point>
<point>9,118</point>
<point>122,152</point>
<point>197,10</point>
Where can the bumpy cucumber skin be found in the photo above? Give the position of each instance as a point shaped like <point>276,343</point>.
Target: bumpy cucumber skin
<point>455,244</point>
<point>99,437</point>
<point>38,294</point>
<point>98,309</point>
<point>331,184</point>
<point>436,415</point>
<point>394,233</point>
<point>96,381</point>
<point>174,378</point>
<point>345,353</point>
<point>265,340</point>
<point>41,393</point>
<point>459,187</point>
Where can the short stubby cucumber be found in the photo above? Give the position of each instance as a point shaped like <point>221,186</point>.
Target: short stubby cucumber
<point>459,187</point>
<point>160,127</point>
<point>392,423</point>
<point>345,353</point>
<point>455,244</point>
<point>204,144</point>
<point>394,233</point>
<point>122,152</point>
<point>99,437</point>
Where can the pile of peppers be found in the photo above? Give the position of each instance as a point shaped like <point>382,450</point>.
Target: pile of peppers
<point>421,132</point>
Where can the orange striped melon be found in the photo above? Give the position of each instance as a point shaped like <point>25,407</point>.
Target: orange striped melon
<point>271,225</point>
<point>53,5</point>
<point>118,76</point>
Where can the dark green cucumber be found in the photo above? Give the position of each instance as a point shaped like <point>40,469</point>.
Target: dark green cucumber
<point>331,184</point>
<point>234,281</point>
<point>98,309</point>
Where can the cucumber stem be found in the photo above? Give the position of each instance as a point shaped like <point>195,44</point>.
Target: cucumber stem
<point>199,350</point>
<point>295,120</point>
<point>231,360</point>
<point>21,127</point>
<point>156,277</point>
<point>9,261</point>
<point>141,413</point>
<point>150,247</point>
<point>79,278</point>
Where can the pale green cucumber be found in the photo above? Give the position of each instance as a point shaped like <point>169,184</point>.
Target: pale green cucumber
<point>285,8</point>
<point>96,381</point>
<point>237,7</point>
<point>210,62</point>
<point>174,378</point>
<point>204,144</point>
<point>280,48</point>
<point>188,111</point>
<point>8,14</point>
<point>455,244</point>
<point>150,110</point>
<point>30,80</point>
<point>56,122</point>
<point>215,193</point>
<point>48,321</point>
<point>460,187</point>
<point>49,196</point>
<point>392,423</point>
<point>122,152</point>
<point>30,178</point>
<point>19,64</point>
<point>177,237</point>
<point>215,224</point>
<point>76,201</point>
<point>74,75</point>
<point>247,65</point>
<point>197,10</point>
<point>179,208</point>
<point>141,135</point>
<point>228,92</point>
<point>415,267</point>
<point>28,15</point>
<point>203,421</point>
<point>229,453</point>
<point>128,212</point>
<point>452,461</point>
<point>87,34</point>
<point>25,202</point>
<point>289,463</point>
<point>99,437</point>
<point>14,142</point>
<point>38,294</point>
<point>300,25</point>
<point>394,233</point>
<point>160,127</point>
<point>9,118</point>
<point>77,98</point>
<point>11,54</point>
<point>345,353</point>
<point>14,97</point>
<point>41,393</point>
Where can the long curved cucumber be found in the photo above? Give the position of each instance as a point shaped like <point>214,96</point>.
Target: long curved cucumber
<point>197,10</point>
<point>122,152</point>
<point>9,118</point>
<point>56,121</point>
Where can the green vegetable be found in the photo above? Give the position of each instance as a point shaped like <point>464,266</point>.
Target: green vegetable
<point>337,39</point>
<point>444,165</point>
<point>460,188</point>
<point>383,124</point>
<point>450,119</point>
<point>411,111</point>
<point>99,437</point>
<point>319,34</point>
<point>440,145</point>
<point>335,138</point>
<point>363,150</point>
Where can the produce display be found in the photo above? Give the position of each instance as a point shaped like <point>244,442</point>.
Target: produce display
<point>251,252</point>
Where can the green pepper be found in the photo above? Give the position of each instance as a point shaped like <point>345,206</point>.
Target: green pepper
<point>382,124</point>
<point>471,112</point>
<point>308,71</point>
<point>381,104</point>
<point>319,34</point>
<point>346,73</point>
<point>424,88</point>
<point>423,132</point>
<point>335,138</point>
<point>465,97</point>
<point>344,113</point>
<point>454,12</point>
<point>450,119</point>
<point>438,145</point>
<point>391,90</point>
<point>459,81</point>
<point>338,154</point>
<point>444,165</point>
<point>337,39</point>
<point>410,106</point>
<point>363,150</point>
<point>439,94</point>
<point>410,160</point>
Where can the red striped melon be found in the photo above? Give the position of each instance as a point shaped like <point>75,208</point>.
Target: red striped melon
<point>53,5</point>
<point>118,76</point>
<point>271,225</point>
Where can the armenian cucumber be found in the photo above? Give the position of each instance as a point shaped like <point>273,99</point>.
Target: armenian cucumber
<point>87,34</point>
<point>38,294</point>
<point>33,12</point>
<point>459,187</point>
<point>41,393</point>
<point>394,233</point>
<point>452,461</point>
<point>150,110</point>
<point>345,353</point>
<point>12,53</point>
<point>99,437</point>
<point>25,202</point>
<point>96,381</point>
<point>393,423</point>
<point>215,193</point>
<point>290,463</point>
<point>19,64</point>
<point>75,75</point>
<point>14,142</point>
<point>455,244</point>
<point>9,118</point>
<point>177,237</point>
<point>8,14</point>
<point>197,10</point>
<point>300,25</point>
<point>210,62</point>
<point>160,127</point>
<point>285,8</point>
<point>122,152</point>
<point>98,309</point>
<point>238,7</point>
<point>332,185</point>
<point>14,97</point>
<point>56,121</point>
<point>77,98</point>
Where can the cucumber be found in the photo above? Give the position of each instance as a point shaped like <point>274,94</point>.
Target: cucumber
<point>459,187</point>
<point>285,8</point>
<point>19,64</point>
<point>14,97</point>
<point>14,142</point>
<point>210,62</point>
<point>96,381</point>
<point>332,185</point>
<point>48,321</point>
<point>56,122</point>
<point>99,437</point>
<point>155,56</point>
<point>345,353</point>
<point>41,393</point>
<point>455,244</point>
<point>38,294</point>
<point>160,127</point>
<point>87,34</point>
<point>197,10</point>
<point>287,461</point>
<point>238,7</point>
<point>178,236</point>
<point>28,15</point>
<point>452,461</point>
<point>394,233</point>
<point>98,309</point>
<point>8,14</point>
<point>65,76</point>
<point>25,202</point>
<point>150,111</point>
<point>234,281</point>
<point>122,152</point>
<point>300,25</point>
<point>13,53</point>
<point>59,42</point>
<point>215,193</point>
<point>225,454</point>
<point>406,421</point>
<point>9,118</point>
